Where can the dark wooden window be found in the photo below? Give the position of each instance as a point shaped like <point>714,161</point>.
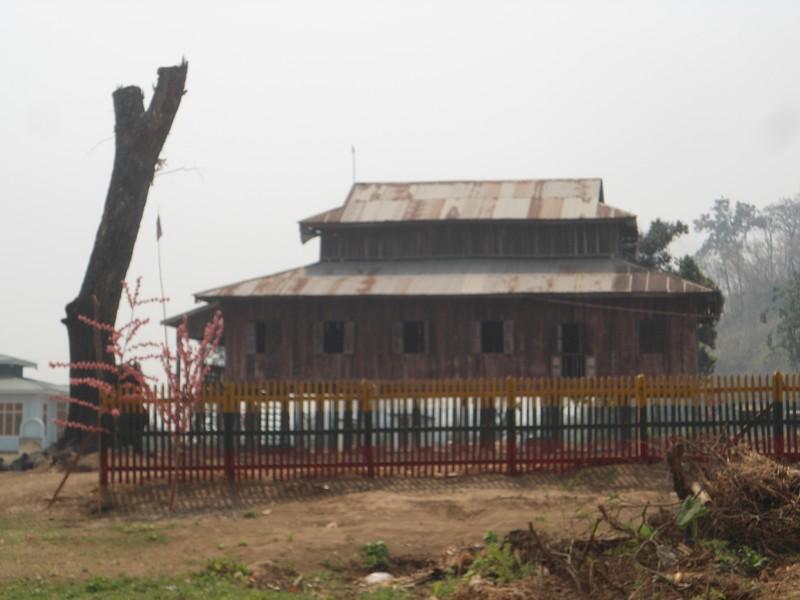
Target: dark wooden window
<point>261,337</point>
<point>572,350</point>
<point>571,338</point>
<point>414,337</point>
<point>333,337</point>
<point>491,337</point>
<point>653,336</point>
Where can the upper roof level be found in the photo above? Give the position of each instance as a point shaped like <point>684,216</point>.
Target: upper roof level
<point>523,200</point>
<point>543,218</point>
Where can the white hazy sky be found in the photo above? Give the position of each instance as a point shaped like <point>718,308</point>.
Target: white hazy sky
<point>672,103</point>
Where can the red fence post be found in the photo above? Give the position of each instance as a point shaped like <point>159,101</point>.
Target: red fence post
<point>102,436</point>
<point>365,405</point>
<point>227,433</point>
<point>641,403</point>
<point>511,426</point>
<point>777,414</point>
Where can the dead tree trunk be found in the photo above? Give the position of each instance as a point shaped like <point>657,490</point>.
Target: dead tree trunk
<point>139,137</point>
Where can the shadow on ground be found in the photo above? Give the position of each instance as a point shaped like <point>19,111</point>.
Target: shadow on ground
<point>150,500</point>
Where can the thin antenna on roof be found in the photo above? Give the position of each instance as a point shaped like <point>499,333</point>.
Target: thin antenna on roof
<point>159,233</point>
<point>353,151</point>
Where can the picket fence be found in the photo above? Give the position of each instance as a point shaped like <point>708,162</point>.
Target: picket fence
<point>294,429</point>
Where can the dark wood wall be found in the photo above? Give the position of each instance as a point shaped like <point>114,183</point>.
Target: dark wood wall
<point>612,337</point>
<point>440,240</point>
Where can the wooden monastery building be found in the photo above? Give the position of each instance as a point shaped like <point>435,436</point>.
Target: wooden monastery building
<point>463,279</point>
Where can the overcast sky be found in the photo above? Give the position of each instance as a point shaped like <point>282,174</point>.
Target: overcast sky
<point>673,104</point>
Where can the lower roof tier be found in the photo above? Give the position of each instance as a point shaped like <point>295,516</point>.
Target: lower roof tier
<point>461,277</point>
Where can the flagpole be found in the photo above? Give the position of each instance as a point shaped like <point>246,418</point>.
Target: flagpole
<point>161,278</point>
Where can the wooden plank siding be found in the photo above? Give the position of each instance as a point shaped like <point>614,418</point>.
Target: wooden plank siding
<point>612,337</point>
<point>448,240</point>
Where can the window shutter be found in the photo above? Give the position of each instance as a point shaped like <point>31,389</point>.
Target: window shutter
<point>349,337</point>
<point>591,369</point>
<point>476,337</point>
<point>316,337</point>
<point>427,334</point>
<point>555,366</point>
<point>508,337</point>
<point>397,337</point>
<point>250,338</point>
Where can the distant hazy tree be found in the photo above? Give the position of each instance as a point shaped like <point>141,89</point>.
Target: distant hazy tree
<point>782,230</point>
<point>786,303</point>
<point>725,247</point>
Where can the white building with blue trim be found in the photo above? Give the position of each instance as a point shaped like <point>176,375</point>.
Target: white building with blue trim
<point>27,408</point>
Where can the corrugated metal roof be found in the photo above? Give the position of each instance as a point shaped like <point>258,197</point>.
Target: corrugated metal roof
<point>460,277</point>
<point>5,359</point>
<point>196,319</point>
<point>557,199</point>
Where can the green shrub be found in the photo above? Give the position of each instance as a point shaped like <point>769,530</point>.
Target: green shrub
<point>497,562</point>
<point>742,559</point>
<point>226,568</point>
<point>374,555</point>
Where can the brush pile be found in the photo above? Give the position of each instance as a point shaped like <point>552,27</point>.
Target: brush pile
<point>748,498</point>
<point>734,533</point>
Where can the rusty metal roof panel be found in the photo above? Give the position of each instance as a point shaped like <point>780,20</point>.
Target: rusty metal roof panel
<point>560,199</point>
<point>460,277</point>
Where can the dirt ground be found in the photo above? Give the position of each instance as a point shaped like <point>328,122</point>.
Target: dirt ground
<point>304,525</point>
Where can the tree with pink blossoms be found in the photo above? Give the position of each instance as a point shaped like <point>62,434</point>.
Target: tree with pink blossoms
<point>126,382</point>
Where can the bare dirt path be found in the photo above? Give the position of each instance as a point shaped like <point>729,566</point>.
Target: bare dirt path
<point>305,525</point>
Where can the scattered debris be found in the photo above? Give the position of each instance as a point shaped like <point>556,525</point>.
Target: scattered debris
<point>378,578</point>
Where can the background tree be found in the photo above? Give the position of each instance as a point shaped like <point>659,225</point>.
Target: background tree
<point>707,328</point>
<point>653,253</point>
<point>786,335</point>
<point>652,250</point>
<point>139,137</point>
<point>725,246</point>
<point>754,254</point>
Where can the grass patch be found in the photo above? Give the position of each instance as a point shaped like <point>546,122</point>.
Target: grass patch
<point>142,533</point>
<point>202,587</point>
<point>602,476</point>
<point>446,587</point>
<point>385,594</point>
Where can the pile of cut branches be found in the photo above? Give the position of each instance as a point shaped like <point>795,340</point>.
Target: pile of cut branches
<point>731,533</point>
<point>649,557</point>
<point>748,498</point>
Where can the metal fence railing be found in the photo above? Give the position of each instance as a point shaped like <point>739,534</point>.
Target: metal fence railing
<point>281,430</point>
